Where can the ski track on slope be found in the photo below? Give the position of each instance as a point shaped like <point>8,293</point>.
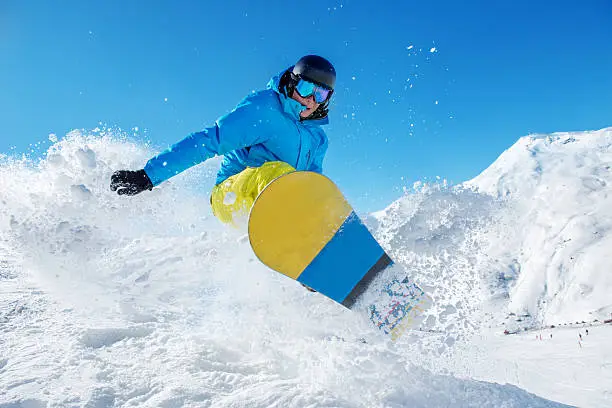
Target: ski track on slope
<point>576,371</point>
<point>147,301</point>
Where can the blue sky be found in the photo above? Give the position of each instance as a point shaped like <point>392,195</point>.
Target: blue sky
<point>483,73</point>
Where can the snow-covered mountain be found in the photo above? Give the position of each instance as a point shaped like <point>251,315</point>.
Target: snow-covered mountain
<point>111,301</point>
<point>559,188</point>
<point>540,235</point>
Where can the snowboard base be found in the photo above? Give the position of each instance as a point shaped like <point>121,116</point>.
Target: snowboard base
<point>399,307</point>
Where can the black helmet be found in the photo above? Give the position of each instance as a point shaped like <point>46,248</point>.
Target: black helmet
<point>315,69</point>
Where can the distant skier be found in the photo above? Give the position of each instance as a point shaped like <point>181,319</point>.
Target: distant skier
<point>270,133</point>
<point>580,335</point>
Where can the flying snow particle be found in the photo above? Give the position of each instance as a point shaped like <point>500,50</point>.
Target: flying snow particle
<point>433,49</point>
<point>165,99</point>
<point>410,47</point>
<point>52,137</point>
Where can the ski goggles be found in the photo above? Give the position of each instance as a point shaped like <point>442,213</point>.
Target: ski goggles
<point>307,88</point>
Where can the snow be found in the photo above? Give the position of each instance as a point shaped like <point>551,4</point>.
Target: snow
<point>562,366</point>
<point>110,301</point>
<point>561,223</point>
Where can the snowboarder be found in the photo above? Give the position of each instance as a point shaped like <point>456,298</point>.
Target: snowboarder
<point>270,133</point>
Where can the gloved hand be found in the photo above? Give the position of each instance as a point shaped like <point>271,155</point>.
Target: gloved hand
<point>128,182</point>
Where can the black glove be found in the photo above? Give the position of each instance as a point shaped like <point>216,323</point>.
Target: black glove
<point>130,182</point>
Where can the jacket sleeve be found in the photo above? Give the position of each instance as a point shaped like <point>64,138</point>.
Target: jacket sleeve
<point>317,163</point>
<point>247,125</point>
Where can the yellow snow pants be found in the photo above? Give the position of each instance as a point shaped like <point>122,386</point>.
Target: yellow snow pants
<point>232,199</point>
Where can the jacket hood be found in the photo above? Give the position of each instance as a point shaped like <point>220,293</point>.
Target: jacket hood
<point>291,106</point>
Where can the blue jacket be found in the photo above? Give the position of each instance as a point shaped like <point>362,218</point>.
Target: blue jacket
<point>264,127</point>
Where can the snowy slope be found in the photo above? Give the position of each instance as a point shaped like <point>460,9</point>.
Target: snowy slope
<point>147,301</point>
<point>110,301</point>
<point>524,246</point>
<point>564,364</point>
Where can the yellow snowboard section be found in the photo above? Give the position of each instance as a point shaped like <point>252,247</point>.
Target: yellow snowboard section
<point>302,225</point>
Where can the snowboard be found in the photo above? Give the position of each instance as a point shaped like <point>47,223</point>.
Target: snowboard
<point>302,226</point>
